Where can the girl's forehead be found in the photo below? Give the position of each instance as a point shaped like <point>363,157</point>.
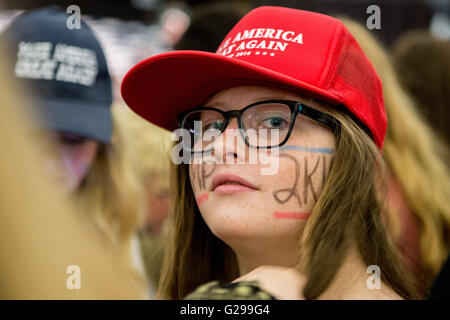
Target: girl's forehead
<point>239,97</point>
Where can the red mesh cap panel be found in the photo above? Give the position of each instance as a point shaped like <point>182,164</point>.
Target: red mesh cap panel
<point>356,82</point>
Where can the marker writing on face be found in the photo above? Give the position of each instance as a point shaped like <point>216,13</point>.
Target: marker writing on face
<point>202,198</point>
<point>308,187</point>
<point>291,192</point>
<point>324,171</point>
<point>199,175</point>
<point>291,215</point>
<point>308,149</point>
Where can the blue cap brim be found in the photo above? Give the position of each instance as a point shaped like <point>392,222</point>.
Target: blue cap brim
<point>94,122</point>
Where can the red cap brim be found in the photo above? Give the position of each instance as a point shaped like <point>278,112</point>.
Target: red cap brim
<point>162,86</point>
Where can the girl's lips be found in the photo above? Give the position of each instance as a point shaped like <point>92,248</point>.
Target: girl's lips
<point>221,184</point>
<point>231,188</point>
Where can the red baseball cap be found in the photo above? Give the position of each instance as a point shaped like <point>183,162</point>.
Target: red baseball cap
<point>310,53</point>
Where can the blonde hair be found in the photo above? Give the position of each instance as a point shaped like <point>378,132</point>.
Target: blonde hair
<point>415,155</point>
<point>151,147</point>
<point>348,213</point>
<point>112,199</point>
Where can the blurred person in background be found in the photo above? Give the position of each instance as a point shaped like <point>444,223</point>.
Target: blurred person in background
<point>423,65</point>
<point>210,23</point>
<point>419,184</point>
<point>151,159</point>
<point>86,155</point>
<point>42,234</point>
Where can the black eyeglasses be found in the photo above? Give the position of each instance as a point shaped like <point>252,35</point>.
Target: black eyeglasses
<point>263,125</point>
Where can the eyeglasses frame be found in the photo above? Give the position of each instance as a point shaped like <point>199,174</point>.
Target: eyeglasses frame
<point>296,108</point>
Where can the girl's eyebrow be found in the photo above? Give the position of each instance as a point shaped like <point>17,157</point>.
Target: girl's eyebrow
<point>260,99</point>
<point>214,104</point>
<point>273,98</point>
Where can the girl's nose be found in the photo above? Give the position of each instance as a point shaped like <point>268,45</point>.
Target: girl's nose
<point>229,147</point>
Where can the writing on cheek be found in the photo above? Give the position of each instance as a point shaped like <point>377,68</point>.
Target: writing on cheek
<point>284,195</point>
<point>291,215</point>
<point>307,179</point>
<point>199,173</point>
<point>202,198</point>
<point>292,191</point>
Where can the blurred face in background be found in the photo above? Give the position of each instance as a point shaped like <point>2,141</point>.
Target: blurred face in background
<point>158,200</point>
<point>69,158</point>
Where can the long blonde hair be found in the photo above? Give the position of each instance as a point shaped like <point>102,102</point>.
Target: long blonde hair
<point>415,155</point>
<point>111,197</point>
<point>348,213</point>
<point>151,147</point>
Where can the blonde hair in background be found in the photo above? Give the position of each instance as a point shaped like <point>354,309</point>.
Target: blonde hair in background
<point>151,147</point>
<point>415,155</point>
<point>112,198</point>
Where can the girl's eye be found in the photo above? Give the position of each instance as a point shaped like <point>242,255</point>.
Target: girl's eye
<point>216,125</point>
<point>274,123</point>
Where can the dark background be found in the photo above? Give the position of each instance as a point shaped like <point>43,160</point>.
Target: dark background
<point>397,16</point>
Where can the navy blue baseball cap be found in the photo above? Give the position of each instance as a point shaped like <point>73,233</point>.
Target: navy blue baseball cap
<point>65,69</point>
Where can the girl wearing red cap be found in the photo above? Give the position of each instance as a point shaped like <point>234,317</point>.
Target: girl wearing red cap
<point>321,211</point>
